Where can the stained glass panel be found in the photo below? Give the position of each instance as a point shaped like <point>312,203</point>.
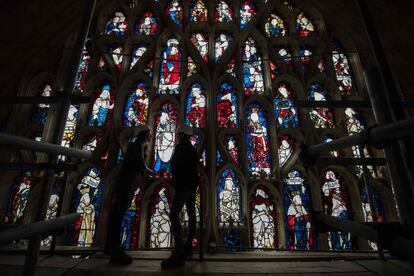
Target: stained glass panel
<point>233,148</point>
<point>222,42</point>
<point>165,127</point>
<point>170,74</point>
<point>263,216</point>
<point>227,114</point>
<point>136,106</point>
<point>252,68</point>
<point>274,71</point>
<point>51,211</point>
<point>286,147</point>
<point>257,141</point>
<point>117,25</point>
<point>159,222</point>
<point>305,55</point>
<point>81,74</point>
<point>285,56</point>
<point>195,107</point>
<point>275,26</point>
<point>200,41</point>
<point>198,11</point>
<point>117,55</point>
<point>102,107</point>
<point>175,12</point>
<point>229,208</point>
<point>147,25</point>
<point>342,69</point>
<point>297,205</point>
<point>18,196</point>
<point>69,130</point>
<point>246,13</point>
<point>223,12</point>
<point>286,115</point>
<point>192,67</point>
<point>137,52</point>
<point>322,117</point>
<point>39,113</point>
<point>304,26</point>
<point>330,138</point>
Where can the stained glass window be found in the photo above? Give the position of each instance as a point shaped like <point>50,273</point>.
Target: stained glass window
<point>102,108</point>
<point>223,12</point>
<point>263,217</point>
<point>342,69</point>
<point>159,226</point>
<point>80,81</point>
<point>69,130</point>
<point>117,25</point>
<point>286,148</point>
<point>298,206</point>
<point>147,25</point>
<point>275,26</point>
<point>233,148</point>
<point>175,12</point>
<point>170,74</point>
<point>222,42</point>
<point>39,113</point>
<point>136,106</point>
<point>131,222</point>
<point>165,127</point>
<point>305,55</point>
<point>117,56</point>
<point>227,114</point>
<point>230,68</point>
<point>229,208</point>
<point>51,211</point>
<point>322,117</point>
<point>86,201</point>
<point>18,196</point>
<point>137,52</point>
<point>192,67</point>
<point>286,114</point>
<point>200,41</point>
<point>252,68</point>
<point>195,107</point>
<point>246,13</point>
<point>285,56</point>
<point>304,27</point>
<point>198,11</point>
<point>335,198</point>
<point>257,141</point>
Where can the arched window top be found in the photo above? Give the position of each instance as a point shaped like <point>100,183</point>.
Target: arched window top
<point>342,68</point>
<point>200,41</point>
<point>195,107</point>
<point>247,12</point>
<point>222,42</point>
<point>286,147</point>
<point>198,11</point>
<point>223,12</point>
<point>175,12</point>
<point>136,106</point>
<point>304,27</point>
<point>147,25</point>
<point>275,26</point>
<point>229,206</point>
<point>102,108</point>
<point>170,71</point>
<point>117,25</point>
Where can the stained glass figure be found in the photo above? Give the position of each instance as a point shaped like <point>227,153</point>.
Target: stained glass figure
<point>81,74</point>
<point>286,147</point>
<point>230,68</point>
<point>69,130</point>
<point>285,56</point>
<point>233,148</point>
<point>304,27</point>
<point>222,42</point>
<point>147,25</point>
<point>165,127</point>
<point>198,12</point>
<point>263,215</point>
<point>136,106</point>
<point>252,68</point>
<point>305,55</point>
<point>223,12</point>
<point>39,113</point>
<point>175,12</point>
<point>342,69</point>
<point>87,202</point>
<point>137,52</point>
<point>51,211</point>
<point>148,70</point>
<point>192,67</point>
<point>376,215</point>
<point>297,205</point>
<point>233,241</point>
<point>275,26</point>
<point>330,138</point>
<point>117,25</point>
<point>92,143</point>
<point>102,108</point>
<point>247,12</point>
<point>336,203</point>
<point>117,56</point>
<point>195,106</point>
<point>200,41</point>
<point>219,159</point>
<point>170,74</point>
<point>159,221</point>
<point>286,114</point>
<point>229,208</point>
<point>322,117</point>
<point>227,106</point>
<point>274,71</point>
<point>131,222</point>
<point>18,196</point>
<point>257,141</point>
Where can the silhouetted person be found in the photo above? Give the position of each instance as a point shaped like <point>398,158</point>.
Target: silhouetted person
<point>184,170</point>
<point>132,169</point>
